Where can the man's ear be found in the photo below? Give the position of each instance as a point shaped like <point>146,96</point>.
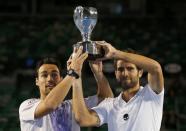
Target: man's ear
<point>116,76</point>
<point>36,81</point>
<point>140,73</point>
<point>115,73</point>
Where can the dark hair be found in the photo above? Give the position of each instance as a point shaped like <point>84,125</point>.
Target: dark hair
<point>47,60</point>
<point>128,50</point>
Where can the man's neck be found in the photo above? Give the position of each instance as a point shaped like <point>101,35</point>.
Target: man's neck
<point>42,97</point>
<point>129,93</point>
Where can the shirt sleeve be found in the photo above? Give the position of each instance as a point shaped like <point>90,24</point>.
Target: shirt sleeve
<point>158,98</point>
<point>91,101</point>
<point>102,110</point>
<point>27,109</point>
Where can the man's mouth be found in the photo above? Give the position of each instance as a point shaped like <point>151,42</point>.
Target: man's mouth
<point>51,85</point>
<point>125,79</point>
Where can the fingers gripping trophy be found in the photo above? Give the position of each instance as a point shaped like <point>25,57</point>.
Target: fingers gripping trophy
<point>85,19</point>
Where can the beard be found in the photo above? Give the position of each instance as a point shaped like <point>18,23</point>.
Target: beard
<point>126,83</point>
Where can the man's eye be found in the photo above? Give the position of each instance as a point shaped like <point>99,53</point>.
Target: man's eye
<point>54,74</point>
<point>120,69</point>
<point>44,75</point>
<point>130,68</point>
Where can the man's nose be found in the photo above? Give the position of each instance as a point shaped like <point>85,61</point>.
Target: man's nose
<point>125,73</point>
<point>49,77</point>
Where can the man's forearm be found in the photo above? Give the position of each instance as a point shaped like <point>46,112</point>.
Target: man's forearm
<point>83,115</point>
<point>79,106</point>
<point>57,95</point>
<point>143,62</point>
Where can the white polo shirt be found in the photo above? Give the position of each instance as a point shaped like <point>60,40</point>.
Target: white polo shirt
<point>61,119</point>
<point>142,113</point>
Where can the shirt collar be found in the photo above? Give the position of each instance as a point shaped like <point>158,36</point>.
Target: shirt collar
<point>120,102</point>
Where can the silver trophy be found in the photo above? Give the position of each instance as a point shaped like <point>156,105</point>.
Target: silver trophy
<point>85,19</point>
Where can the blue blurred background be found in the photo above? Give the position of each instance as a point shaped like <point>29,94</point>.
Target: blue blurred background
<point>32,29</point>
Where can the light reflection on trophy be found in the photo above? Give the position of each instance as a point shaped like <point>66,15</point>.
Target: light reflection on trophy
<point>85,19</point>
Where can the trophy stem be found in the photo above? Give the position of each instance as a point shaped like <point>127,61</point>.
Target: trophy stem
<point>86,37</point>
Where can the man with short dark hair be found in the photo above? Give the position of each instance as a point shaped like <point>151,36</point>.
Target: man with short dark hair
<point>137,108</point>
<point>50,112</point>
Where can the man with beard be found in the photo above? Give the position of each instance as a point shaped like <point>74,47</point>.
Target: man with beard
<point>137,108</point>
<point>51,112</point>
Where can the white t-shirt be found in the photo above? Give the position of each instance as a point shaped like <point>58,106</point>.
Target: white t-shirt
<point>142,113</point>
<point>61,119</point>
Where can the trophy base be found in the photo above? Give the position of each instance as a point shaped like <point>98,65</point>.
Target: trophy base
<point>94,50</point>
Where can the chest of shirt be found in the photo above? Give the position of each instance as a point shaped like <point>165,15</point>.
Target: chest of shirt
<point>130,115</point>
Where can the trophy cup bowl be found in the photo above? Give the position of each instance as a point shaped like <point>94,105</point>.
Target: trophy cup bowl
<point>85,19</point>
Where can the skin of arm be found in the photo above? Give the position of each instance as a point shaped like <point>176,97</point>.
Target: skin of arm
<point>79,107</point>
<point>103,90</point>
<point>54,98</point>
<point>57,95</point>
<point>83,115</point>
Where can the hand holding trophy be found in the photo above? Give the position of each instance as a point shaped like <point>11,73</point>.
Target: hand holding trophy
<point>85,19</point>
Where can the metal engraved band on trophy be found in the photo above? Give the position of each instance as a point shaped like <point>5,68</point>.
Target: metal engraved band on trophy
<point>85,19</point>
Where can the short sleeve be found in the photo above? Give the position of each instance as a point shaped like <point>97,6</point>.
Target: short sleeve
<point>157,98</point>
<point>91,101</point>
<point>103,110</point>
<point>27,109</point>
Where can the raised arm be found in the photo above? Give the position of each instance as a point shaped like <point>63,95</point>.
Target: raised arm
<point>57,95</point>
<point>155,75</point>
<point>83,115</point>
<point>103,90</point>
